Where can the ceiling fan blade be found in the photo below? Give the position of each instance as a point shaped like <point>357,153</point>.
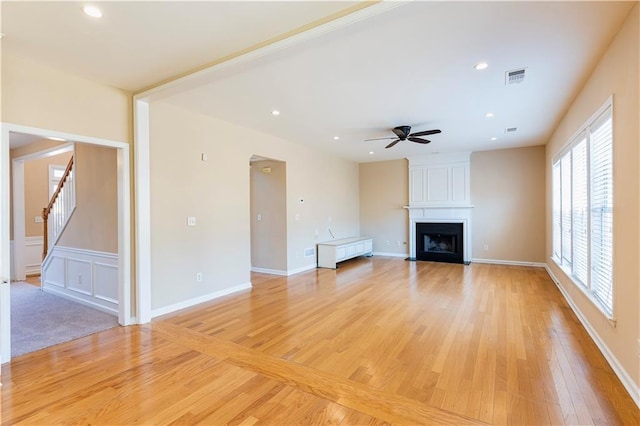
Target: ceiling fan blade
<point>426,132</point>
<point>392,143</point>
<point>377,139</point>
<point>418,140</point>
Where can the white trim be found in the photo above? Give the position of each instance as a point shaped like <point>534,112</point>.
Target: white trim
<point>124,222</point>
<point>19,226</point>
<point>269,271</point>
<point>5,247</point>
<point>302,269</point>
<point>93,253</point>
<point>200,299</point>
<point>143,210</point>
<point>625,378</point>
<point>509,262</point>
<point>380,253</point>
<point>80,300</point>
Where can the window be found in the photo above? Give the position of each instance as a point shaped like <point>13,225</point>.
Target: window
<point>582,211</point>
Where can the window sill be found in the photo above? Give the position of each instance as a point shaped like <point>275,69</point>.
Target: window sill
<point>595,302</point>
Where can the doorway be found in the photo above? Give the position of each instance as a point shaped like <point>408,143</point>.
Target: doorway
<point>268,189</point>
<point>123,260</point>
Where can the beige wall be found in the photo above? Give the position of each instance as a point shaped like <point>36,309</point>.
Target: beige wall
<point>217,193</point>
<point>94,224</point>
<point>508,194</point>
<point>384,189</point>
<point>39,96</point>
<point>37,146</point>
<point>616,73</point>
<point>36,189</point>
<point>269,200</point>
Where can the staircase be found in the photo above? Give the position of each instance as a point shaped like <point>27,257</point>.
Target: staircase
<point>61,206</point>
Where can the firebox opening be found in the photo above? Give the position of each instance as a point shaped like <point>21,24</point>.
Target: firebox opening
<point>440,242</point>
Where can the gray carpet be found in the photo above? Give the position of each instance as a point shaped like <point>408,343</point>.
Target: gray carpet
<point>40,320</point>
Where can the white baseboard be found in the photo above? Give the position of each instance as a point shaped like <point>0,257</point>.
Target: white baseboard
<point>623,375</point>
<point>197,300</point>
<point>269,271</point>
<point>509,262</point>
<point>380,253</point>
<point>282,273</point>
<point>302,269</point>
<point>82,301</point>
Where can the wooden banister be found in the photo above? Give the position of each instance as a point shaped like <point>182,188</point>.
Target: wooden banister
<point>47,210</point>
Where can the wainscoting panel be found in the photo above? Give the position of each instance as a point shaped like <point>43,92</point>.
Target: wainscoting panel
<point>85,276</point>
<point>104,275</point>
<point>78,274</point>
<point>32,255</point>
<point>55,271</point>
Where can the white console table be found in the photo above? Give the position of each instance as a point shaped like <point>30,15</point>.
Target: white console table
<point>334,251</point>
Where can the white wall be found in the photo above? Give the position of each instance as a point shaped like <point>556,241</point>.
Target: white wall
<point>217,193</point>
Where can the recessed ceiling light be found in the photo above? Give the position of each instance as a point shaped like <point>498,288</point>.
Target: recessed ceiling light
<point>275,112</point>
<point>371,152</point>
<point>92,11</point>
<point>53,138</point>
<point>494,138</point>
<point>489,114</point>
<point>335,138</point>
<point>481,66</point>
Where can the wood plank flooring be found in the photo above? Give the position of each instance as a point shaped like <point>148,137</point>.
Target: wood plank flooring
<point>378,341</point>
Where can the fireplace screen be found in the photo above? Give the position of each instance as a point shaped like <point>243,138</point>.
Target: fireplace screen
<point>440,243</point>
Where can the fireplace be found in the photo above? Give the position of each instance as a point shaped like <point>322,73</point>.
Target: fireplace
<point>440,242</point>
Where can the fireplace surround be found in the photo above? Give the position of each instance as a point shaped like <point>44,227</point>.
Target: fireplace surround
<point>439,194</point>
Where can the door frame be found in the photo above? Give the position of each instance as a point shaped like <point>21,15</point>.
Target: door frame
<point>124,224</point>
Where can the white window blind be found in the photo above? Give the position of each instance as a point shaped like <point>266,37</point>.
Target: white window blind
<point>602,209</point>
<point>582,211</point>
<point>565,193</point>
<point>556,215</point>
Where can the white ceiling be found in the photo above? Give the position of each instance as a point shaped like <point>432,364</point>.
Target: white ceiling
<point>410,65</point>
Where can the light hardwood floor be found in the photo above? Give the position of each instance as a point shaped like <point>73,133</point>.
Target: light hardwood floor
<point>380,340</point>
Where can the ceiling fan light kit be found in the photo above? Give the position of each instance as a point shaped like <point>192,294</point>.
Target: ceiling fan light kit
<point>404,133</point>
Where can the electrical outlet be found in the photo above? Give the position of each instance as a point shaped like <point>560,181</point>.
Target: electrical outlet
<point>191,221</point>
<point>199,277</point>
<point>485,247</point>
<point>386,243</point>
<point>398,243</point>
<point>39,219</point>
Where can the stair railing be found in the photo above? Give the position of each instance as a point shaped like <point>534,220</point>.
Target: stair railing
<point>56,215</point>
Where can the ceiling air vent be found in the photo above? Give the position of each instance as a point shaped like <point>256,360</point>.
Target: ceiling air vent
<point>510,130</point>
<point>515,76</point>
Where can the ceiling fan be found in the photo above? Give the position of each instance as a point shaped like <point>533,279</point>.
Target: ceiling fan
<point>403,133</point>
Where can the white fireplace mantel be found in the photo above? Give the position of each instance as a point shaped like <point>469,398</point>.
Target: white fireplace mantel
<point>439,192</point>
<point>441,214</point>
